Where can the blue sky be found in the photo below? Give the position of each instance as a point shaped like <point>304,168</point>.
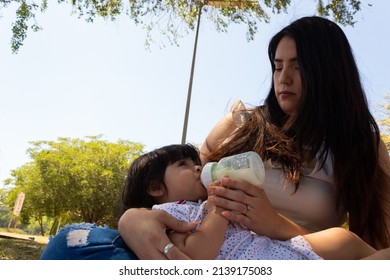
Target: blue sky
<point>76,79</point>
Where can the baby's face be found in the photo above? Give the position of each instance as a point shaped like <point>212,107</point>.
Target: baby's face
<point>182,180</point>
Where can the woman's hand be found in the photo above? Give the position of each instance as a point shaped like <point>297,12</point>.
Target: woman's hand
<point>249,206</point>
<point>144,231</point>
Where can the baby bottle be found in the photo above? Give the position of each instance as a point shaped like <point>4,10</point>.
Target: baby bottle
<point>246,166</point>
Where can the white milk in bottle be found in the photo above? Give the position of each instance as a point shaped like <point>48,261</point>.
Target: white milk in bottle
<point>246,166</point>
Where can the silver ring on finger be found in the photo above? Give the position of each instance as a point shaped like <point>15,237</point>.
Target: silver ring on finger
<point>167,248</point>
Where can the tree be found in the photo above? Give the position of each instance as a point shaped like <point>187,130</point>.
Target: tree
<point>28,179</point>
<point>73,179</point>
<point>3,195</point>
<point>173,18</point>
<point>385,123</point>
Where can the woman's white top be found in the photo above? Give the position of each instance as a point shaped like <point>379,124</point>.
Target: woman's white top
<point>313,205</point>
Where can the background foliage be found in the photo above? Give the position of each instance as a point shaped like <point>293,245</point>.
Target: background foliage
<point>385,122</point>
<point>72,180</point>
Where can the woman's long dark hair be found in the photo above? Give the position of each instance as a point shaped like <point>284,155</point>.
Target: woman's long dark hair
<point>332,118</point>
<point>147,172</point>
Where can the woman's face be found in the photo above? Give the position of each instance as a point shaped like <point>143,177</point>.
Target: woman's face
<point>287,78</point>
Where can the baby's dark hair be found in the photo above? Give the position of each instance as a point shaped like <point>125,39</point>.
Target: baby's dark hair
<point>147,172</point>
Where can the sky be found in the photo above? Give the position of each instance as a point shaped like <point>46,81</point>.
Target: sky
<point>75,79</point>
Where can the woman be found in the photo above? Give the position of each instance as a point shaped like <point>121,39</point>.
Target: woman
<point>315,128</point>
<point>325,162</point>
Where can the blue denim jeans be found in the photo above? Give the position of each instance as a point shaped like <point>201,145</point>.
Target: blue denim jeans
<point>87,242</point>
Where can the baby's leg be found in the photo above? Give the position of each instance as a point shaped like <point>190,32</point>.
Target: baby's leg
<point>339,244</point>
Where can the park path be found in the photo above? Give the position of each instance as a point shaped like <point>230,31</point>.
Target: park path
<point>36,238</point>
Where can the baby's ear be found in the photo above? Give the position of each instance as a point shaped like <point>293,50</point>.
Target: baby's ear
<point>156,190</point>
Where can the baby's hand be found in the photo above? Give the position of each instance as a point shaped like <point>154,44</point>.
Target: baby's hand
<point>211,207</point>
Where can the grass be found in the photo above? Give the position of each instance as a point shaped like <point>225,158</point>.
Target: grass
<point>16,245</point>
<point>16,249</point>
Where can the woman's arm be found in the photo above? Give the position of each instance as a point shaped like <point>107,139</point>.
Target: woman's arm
<point>206,241</point>
<point>222,130</point>
<point>249,205</point>
<point>144,232</point>
<point>217,135</point>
